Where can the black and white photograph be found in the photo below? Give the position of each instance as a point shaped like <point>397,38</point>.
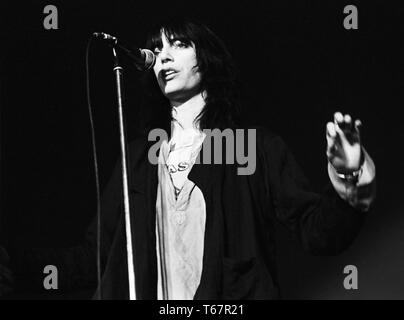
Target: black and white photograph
<point>225,151</point>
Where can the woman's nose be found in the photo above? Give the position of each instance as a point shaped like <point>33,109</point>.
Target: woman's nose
<point>165,55</point>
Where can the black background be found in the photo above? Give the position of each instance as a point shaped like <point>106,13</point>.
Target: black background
<point>298,66</point>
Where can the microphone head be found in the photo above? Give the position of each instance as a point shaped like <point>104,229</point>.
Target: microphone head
<point>105,36</point>
<point>149,58</point>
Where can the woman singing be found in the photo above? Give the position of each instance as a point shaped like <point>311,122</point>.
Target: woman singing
<point>205,230</point>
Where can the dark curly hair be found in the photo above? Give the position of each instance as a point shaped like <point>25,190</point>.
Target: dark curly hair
<point>219,76</point>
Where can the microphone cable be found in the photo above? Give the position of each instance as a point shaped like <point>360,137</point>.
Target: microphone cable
<point>97,183</point>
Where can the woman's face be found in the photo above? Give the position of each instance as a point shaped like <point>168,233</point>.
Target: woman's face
<point>176,70</point>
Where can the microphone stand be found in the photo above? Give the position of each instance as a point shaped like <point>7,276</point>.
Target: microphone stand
<point>129,248</point>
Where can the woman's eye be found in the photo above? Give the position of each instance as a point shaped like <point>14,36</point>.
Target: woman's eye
<point>179,44</point>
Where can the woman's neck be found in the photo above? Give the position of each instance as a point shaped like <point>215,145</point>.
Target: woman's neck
<point>185,113</point>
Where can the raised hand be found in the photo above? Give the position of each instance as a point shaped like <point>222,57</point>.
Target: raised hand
<point>343,143</point>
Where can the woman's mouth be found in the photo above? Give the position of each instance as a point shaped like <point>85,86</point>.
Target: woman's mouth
<point>169,74</point>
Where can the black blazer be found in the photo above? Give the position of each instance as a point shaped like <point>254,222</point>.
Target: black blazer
<point>239,249</point>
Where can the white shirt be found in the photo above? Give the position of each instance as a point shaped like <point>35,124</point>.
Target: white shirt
<point>181,211</point>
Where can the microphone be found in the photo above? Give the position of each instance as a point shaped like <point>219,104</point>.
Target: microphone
<point>143,59</point>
